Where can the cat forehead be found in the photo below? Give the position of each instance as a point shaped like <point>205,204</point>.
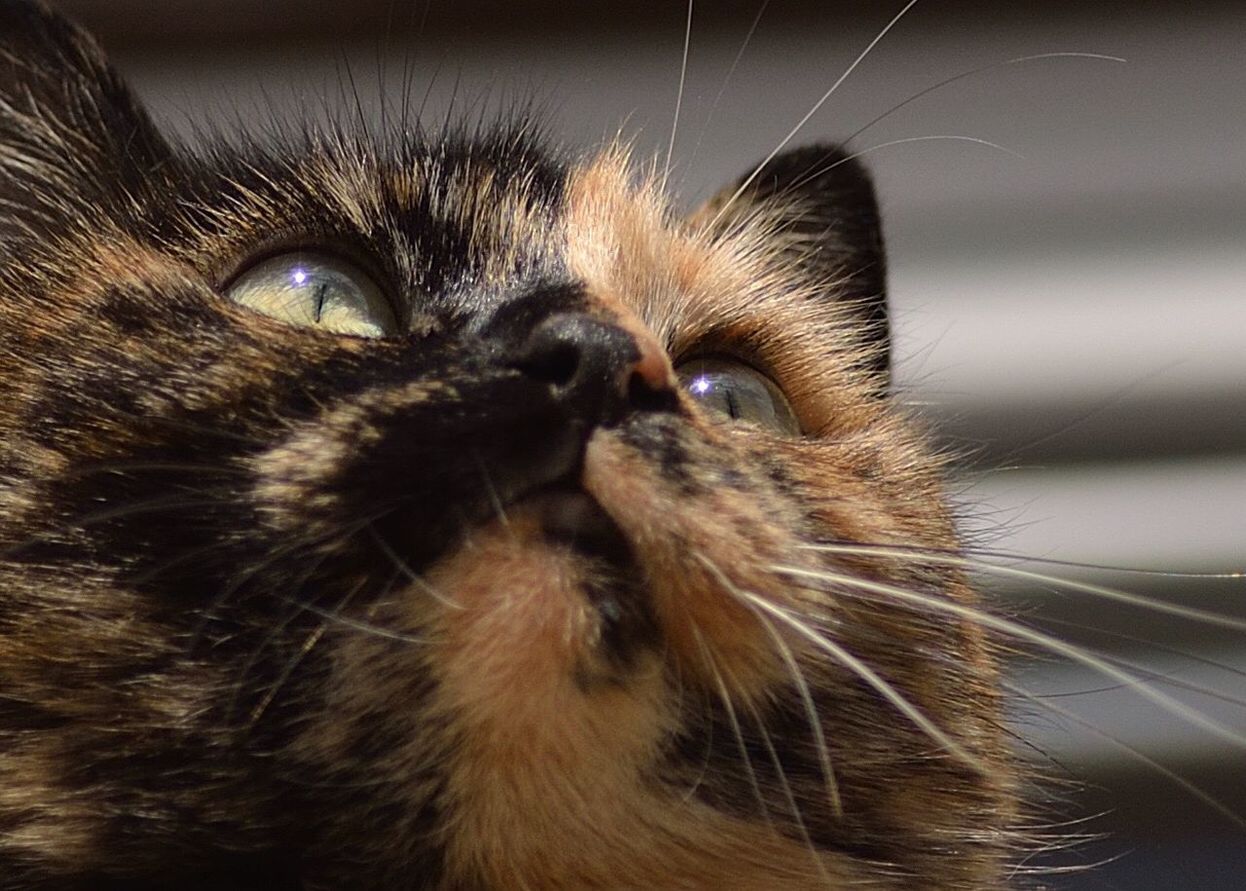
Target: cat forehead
<point>464,228</point>
<point>437,215</point>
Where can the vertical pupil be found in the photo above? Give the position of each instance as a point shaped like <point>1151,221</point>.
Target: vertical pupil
<point>320,300</point>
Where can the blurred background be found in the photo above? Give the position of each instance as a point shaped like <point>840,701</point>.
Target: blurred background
<point>1070,302</point>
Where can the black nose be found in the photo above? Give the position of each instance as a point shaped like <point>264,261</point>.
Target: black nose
<point>598,370</point>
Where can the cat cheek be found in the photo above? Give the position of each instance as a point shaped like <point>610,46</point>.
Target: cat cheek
<point>707,551</point>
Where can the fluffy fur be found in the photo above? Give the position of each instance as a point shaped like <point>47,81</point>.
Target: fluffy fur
<point>287,608</point>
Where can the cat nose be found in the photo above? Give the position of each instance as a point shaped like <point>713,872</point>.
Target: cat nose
<point>599,370</point>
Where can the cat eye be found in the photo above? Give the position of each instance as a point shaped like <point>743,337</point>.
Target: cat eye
<point>316,290</point>
<point>740,392</point>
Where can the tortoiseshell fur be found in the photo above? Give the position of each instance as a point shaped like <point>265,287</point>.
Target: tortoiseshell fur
<point>284,608</point>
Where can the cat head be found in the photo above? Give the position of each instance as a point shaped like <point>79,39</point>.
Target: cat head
<point>440,510</point>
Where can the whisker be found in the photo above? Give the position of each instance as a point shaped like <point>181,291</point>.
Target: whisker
<point>96,518</point>
<point>972,73</point>
<point>183,557</point>
<point>274,631</point>
<point>495,500</point>
<point>748,180</point>
<point>344,67</point>
<point>936,137</point>
<point>788,795</point>
<point>138,508</point>
<point>679,98</point>
<point>1136,600</point>
<point>879,684</point>
<point>309,643</point>
<point>966,552</point>
<point>433,79</point>
<point>725,696</point>
<point>411,575</point>
<point>316,635</point>
<point>1154,645</point>
<point>1019,632</point>
<point>735,63</point>
<point>125,467</point>
<point>215,432</point>
<point>1159,677</point>
<point>811,715</point>
<point>709,727</point>
<point>354,624</point>
<point>209,614</point>
<point>1013,458</point>
<point>1133,751</point>
<point>275,556</point>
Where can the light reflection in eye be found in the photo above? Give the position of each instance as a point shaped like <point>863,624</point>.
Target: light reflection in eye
<point>739,391</point>
<point>313,289</point>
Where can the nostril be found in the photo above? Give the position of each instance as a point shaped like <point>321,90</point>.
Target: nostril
<point>553,361</point>
<point>574,352</point>
<point>642,396</point>
<point>598,370</point>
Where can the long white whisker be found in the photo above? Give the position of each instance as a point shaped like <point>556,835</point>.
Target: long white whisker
<point>411,575</point>
<point>976,71</point>
<point>354,624</point>
<point>880,685</point>
<point>705,762</point>
<point>871,677</point>
<point>1160,677</point>
<point>709,733</point>
<point>748,180</point>
<point>309,643</point>
<point>725,695</point>
<point>811,715</point>
<point>1020,632</point>
<point>970,553</point>
<point>1141,756</point>
<point>735,63</point>
<point>495,500</point>
<point>1158,647</point>
<point>947,559</point>
<point>769,744</point>
<point>790,797</point>
<point>679,98</point>
<point>936,137</point>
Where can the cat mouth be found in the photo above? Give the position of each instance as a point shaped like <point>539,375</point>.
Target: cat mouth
<point>571,517</point>
<point>609,578</point>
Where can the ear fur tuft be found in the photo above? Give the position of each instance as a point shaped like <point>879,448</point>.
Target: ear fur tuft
<point>823,208</point>
<point>71,133</point>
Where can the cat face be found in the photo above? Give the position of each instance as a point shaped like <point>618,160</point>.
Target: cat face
<point>434,510</point>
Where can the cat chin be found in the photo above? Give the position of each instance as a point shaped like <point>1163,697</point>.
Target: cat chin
<point>547,663</point>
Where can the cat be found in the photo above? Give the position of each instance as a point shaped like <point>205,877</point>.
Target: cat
<point>435,509</point>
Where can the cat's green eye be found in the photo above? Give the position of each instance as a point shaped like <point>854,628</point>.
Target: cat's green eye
<point>739,391</point>
<point>316,290</point>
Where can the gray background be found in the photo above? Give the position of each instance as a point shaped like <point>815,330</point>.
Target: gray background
<point>1069,312</point>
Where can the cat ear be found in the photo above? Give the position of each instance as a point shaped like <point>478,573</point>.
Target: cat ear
<point>71,133</point>
<point>826,223</point>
